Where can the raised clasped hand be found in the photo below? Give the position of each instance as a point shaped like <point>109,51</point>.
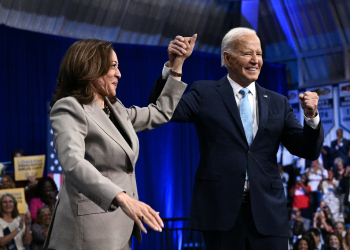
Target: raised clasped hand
<point>181,47</point>
<point>309,102</point>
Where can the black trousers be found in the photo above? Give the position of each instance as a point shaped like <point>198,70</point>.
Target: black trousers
<point>243,235</point>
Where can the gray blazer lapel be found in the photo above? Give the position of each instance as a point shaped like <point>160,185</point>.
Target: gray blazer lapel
<point>123,120</point>
<point>99,117</point>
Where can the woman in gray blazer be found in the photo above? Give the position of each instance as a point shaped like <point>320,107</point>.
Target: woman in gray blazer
<point>97,146</point>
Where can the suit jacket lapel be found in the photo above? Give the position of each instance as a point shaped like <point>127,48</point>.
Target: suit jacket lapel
<point>226,92</point>
<point>263,106</point>
<point>99,117</point>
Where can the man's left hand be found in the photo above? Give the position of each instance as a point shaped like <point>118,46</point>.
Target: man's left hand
<point>309,102</point>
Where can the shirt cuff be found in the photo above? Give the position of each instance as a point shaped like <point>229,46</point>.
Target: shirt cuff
<point>313,122</point>
<point>165,72</point>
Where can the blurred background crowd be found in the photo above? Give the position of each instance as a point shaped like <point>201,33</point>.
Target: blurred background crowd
<point>318,198</point>
<point>29,230</point>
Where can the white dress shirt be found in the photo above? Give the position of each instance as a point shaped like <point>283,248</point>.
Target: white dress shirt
<point>253,101</point>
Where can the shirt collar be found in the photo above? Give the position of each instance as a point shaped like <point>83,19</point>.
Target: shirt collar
<point>236,87</point>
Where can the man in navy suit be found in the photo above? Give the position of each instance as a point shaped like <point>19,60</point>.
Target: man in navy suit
<point>340,147</point>
<point>238,199</point>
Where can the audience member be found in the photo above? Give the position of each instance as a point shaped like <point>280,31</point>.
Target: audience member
<point>296,216</point>
<point>339,147</point>
<point>334,242</point>
<point>296,231</point>
<point>327,211</point>
<point>284,177</point>
<point>327,158</point>
<point>322,223</point>
<point>303,244</point>
<point>300,193</point>
<point>329,188</point>
<point>315,175</point>
<point>344,188</point>
<point>346,240</point>
<point>7,182</point>
<point>339,174</point>
<point>339,168</point>
<point>339,228</point>
<point>40,228</point>
<point>46,196</point>
<point>310,237</point>
<point>9,169</point>
<point>317,237</point>
<point>30,184</point>
<point>14,229</point>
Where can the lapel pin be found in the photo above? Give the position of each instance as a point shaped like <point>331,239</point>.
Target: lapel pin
<point>265,96</point>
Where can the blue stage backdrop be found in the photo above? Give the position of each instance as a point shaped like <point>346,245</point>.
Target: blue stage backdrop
<point>29,64</point>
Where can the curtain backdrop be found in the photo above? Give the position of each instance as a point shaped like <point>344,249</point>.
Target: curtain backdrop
<point>29,64</point>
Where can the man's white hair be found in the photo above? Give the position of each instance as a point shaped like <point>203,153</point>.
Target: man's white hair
<point>230,37</point>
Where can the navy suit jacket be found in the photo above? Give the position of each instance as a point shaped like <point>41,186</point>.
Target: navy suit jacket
<point>342,152</point>
<point>225,155</point>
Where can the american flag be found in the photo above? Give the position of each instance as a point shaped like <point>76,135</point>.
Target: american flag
<point>54,169</point>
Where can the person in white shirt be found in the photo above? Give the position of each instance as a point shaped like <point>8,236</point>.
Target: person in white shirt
<point>14,228</point>
<point>315,173</point>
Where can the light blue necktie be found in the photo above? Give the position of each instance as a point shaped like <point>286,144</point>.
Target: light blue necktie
<point>246,117</point>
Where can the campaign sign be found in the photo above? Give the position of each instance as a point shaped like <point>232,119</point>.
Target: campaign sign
<point>344,105</point>
<point>29,166</point>
<point>293,96</point>
<point>18,193</point>
<point>325,106</point>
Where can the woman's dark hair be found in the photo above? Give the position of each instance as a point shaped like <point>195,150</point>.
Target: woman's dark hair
<point>17,151</point>
<point>15,212</point>
<point>307,242</point>
<point>84,62</point>
<point>298,227</point>
<point>41,184</point>
<point>308,235</point>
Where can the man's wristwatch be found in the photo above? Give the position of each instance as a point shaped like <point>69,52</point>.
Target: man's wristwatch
<point>18,229</point>
<point>173,73</point>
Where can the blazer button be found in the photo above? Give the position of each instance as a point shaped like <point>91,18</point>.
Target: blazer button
<point>243,175</point>
<point>249,153</point>
<point>133,194</point>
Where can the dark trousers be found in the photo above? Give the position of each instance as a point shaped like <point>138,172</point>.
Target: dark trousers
<point>243,235</point>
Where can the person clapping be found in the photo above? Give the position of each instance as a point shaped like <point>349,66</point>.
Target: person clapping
<point>14,228</point>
